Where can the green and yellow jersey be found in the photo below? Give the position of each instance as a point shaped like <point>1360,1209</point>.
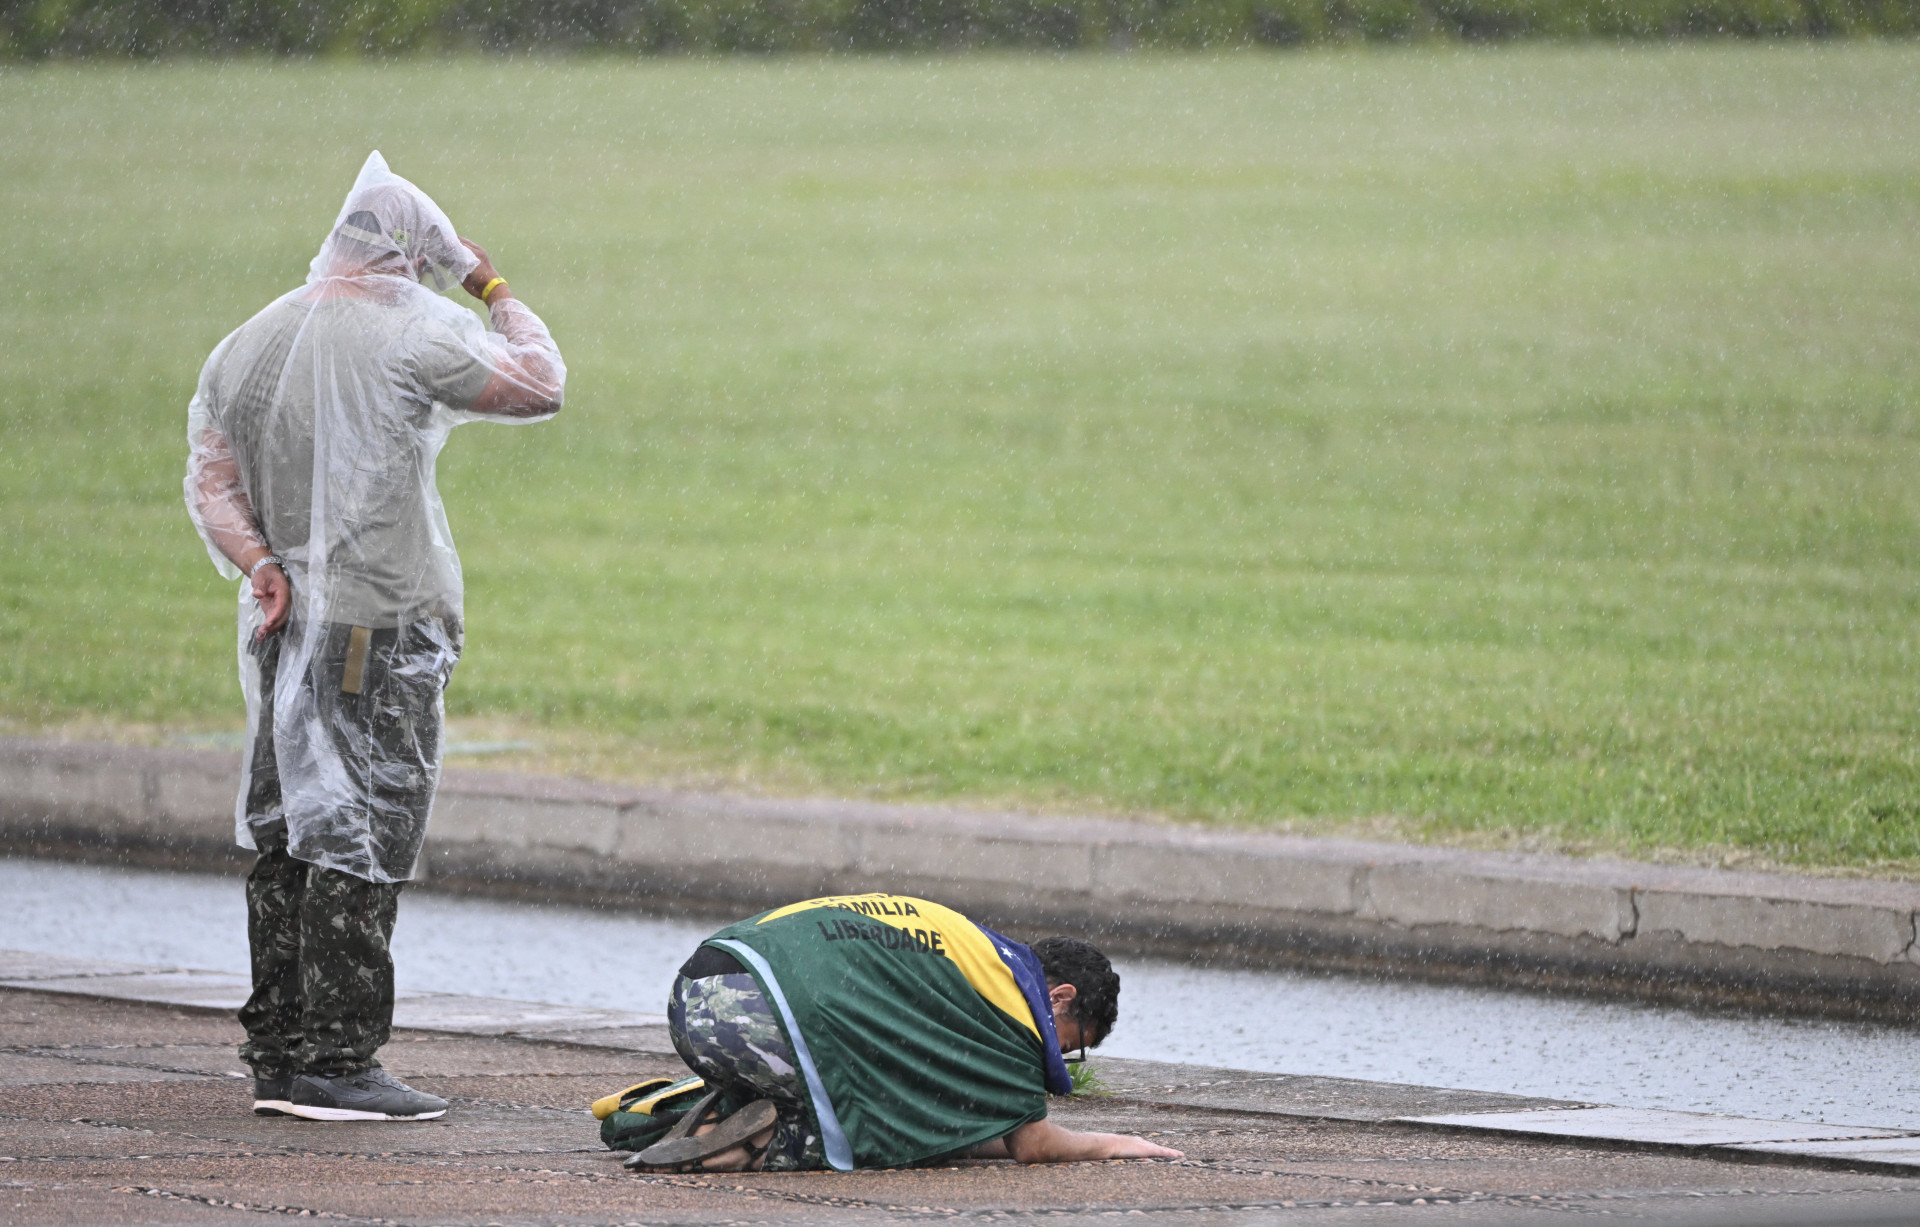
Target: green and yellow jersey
<point>918,1032</point>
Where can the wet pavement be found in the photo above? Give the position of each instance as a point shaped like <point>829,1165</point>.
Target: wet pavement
<point>1566,1048</point>
<point>128,1112</point>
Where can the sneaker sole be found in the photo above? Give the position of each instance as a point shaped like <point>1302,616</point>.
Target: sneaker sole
<point>272,1107</point>
<point>312,1112</point>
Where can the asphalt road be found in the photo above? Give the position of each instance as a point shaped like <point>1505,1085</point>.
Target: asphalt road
<point>126,1113</point>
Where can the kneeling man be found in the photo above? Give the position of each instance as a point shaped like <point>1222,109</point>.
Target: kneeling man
<point>866,1031</point>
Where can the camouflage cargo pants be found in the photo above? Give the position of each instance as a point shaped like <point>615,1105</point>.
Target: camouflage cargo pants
<point>322,998</point>
<point>724,1029</point>
<point>385,731</point>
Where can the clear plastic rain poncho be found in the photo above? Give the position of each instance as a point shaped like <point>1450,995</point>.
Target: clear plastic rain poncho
<point>313,435</point>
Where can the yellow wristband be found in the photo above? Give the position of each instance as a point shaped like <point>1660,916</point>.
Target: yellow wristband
<point>497,281</point>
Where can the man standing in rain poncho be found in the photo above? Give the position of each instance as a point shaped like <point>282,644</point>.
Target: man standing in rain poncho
<point>312,439</point>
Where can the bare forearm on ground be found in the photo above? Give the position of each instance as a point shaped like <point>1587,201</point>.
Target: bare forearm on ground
<point>1042,1141</point>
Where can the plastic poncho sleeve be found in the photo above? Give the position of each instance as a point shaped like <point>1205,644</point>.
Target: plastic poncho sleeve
<point>217,501</point>
<point>506,371</point>
<point>529,378</point>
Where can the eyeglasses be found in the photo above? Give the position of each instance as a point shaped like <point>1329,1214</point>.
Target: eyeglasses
<point>1082,1055</point>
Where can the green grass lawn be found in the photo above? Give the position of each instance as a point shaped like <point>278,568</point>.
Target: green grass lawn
<point>1515,446</point>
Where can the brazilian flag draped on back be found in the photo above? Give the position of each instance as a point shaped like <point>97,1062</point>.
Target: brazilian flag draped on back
<point>918,1032</point>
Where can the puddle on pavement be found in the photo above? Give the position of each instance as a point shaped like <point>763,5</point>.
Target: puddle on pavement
<point>1527,1044</point>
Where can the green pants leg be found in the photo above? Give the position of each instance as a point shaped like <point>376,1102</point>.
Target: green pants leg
<point>322,998</point>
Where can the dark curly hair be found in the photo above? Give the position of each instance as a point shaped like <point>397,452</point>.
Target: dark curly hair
<point>1096,1002</point>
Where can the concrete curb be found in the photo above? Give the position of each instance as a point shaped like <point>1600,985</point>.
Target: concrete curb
<point>1806,945</point>
<point>1150,1083</point>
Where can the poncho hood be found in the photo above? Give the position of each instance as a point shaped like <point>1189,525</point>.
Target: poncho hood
<point>389,226</point>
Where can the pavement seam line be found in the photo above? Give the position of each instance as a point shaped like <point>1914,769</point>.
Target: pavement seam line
<point>55,1055</point>
<point>244,1207</point>
<point>1226,1165</point>
<point>761,1193</point>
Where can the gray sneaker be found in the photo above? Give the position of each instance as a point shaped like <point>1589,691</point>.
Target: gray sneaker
<point>270,1095</point>
<point>372,1094</point>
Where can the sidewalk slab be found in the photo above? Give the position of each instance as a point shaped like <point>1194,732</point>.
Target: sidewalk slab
<point>20,1069</point>
<point>1899,1151</point>
<point>218,990</point>
<point>1311,1096</point>
<point>1782,942</point>
<point>651,1038</point>
<point>1650,1126</point>
<point>464,1015</point>
<point>21,965</point>
<point>202,990</point>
